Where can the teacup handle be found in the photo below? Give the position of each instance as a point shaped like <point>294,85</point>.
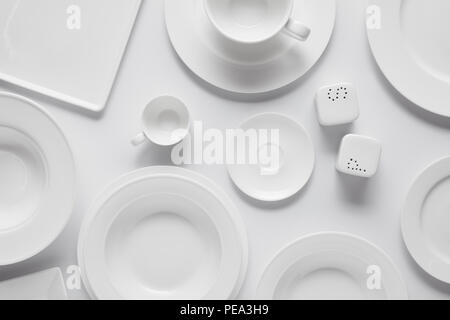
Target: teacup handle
<point>297,30</point>
<point>139,139</point>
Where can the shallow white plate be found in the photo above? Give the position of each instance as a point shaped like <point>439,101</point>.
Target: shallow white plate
<point>37,179</point>
<point>163,233</point>
<point>426,220</point>
<point>272,181</point>
<point>331,266</point>
<point>43,285</point>
<point>412,48</point>
<point>254,68</point>
<point>40,50</point>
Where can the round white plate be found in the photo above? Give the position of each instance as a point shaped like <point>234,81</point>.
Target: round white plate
<point>163,233</point>
<point>412,48</point>
<point>426,220</point>
<point>252,68</point>
<point>271,180</point>
<point>37,179</point>
<point>331,266</point>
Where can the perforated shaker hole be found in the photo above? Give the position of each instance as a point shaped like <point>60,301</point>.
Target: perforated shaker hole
<point>353,165</point>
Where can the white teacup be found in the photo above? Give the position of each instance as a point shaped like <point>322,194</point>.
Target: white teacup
<point>166,122</point>
<point>254,21</point>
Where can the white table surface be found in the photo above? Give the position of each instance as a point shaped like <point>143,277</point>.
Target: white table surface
<point>411,139</point>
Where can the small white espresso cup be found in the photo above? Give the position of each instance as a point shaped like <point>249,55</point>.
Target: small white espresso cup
<point>255,21</point>
<point>166,122</point>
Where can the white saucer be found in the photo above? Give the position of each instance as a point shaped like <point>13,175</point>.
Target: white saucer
<point>181,238</point>
<point>412,49</point>
<point>296,160</point>
<point>37,179</point>
<point>426,220</point>
<point>254,68</point>
<point>331,266</point>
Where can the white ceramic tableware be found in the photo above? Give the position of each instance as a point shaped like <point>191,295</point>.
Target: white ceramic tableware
<point>409,39</point>
<point>252,68</point>
<point>43,285</point>
<point>359,156</point>
<point>331,265</point>
<point>253,21</point>
<point>37,179</point>
<point>163,233</point>
<point>285,159</point>
<point>337,104</point>
<point>166,121</point>
<point>68,50</point>
<point>426,220</point>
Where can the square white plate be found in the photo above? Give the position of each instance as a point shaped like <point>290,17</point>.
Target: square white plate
<point>69,50</point>
<point>43,285</point>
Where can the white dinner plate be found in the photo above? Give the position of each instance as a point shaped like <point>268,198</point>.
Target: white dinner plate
<point>275,177</point>
<point>426,220</point>
<point>334,266</point>
<point>43,285</point>
<point>37,179</point>
<point>69,50</point>
<point>163,233</point>
<point>254,68</point>
<point>410,42</point>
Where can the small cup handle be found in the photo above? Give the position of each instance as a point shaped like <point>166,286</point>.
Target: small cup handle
<point>139,139</point>
<point>297,30</point>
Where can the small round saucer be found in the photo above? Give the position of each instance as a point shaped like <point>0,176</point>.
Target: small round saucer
<point>252,68</point>
<point>289,159</point>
